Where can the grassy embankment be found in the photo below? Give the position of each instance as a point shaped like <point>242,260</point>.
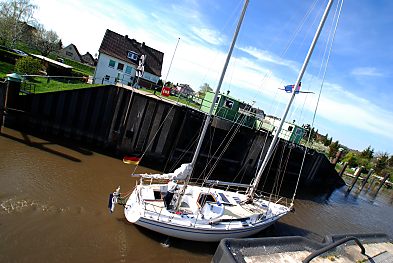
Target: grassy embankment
<point>186,101</point>
<point>5,68</point>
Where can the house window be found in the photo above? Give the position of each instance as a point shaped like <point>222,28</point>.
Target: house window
<point>132,55</point>
<point>120,66</point>
<point>112,63</point>
<point>228,103</point>
<point>128,70</point>
<point>290,128</point>
<point>69,54</point>
<point>107,77</point>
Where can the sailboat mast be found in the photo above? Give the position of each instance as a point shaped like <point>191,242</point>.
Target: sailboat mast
<point>208,117</point>
<point>299,79</point>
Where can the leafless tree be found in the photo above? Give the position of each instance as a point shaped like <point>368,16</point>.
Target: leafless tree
<point>46,41</point>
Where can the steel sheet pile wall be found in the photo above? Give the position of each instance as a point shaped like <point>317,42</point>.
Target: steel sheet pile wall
<point>121,121</point>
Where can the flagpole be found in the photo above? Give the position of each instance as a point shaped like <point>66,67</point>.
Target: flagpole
<point>170,64</point>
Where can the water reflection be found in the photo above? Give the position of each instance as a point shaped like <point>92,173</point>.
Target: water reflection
<point>53,207</point>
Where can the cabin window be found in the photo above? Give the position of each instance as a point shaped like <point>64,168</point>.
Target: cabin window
<point>203,198</point>
<point>120,66</point>
<point>224,198</point>
<point>112,63</point>
<point>132,55</point>
<point>128,70</point>
<point>229,103</point>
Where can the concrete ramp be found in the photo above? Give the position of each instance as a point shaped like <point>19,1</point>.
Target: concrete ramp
<point>335,248</point>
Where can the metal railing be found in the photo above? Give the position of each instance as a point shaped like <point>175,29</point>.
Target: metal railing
<point>334,245</point>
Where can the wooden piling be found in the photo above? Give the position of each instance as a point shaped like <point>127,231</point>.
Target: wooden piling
<point>357,174</point>
<point>338,156</point>
<point>343,169</point>
<point>382,183</point>
<point>366,179</point>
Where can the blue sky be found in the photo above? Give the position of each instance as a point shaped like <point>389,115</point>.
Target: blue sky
<point>356,100</point>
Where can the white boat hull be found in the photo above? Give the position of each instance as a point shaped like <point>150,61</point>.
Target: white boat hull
<point>193,226</point>
<point>194,234</point>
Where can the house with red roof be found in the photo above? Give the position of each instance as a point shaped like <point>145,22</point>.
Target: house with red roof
<point>122,60</point>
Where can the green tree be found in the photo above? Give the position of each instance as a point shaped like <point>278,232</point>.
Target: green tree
<point>382,163</point>
<point>351,159</point>
<point>326,140</point>
<point>333,149</point>
<point>203,89</point>
<point>28,66</point>
<point>367,153</point>
<point>390,161</point>
<point>13,16</point>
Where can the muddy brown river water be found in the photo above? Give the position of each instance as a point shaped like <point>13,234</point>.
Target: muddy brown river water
<point>53,208</point>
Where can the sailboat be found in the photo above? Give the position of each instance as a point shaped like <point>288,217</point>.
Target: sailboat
<point>216,209</point>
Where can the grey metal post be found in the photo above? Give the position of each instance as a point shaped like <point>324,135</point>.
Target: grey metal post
<point>343,169</point>
<point>357,174</point>
<point>366,179</point>
<point>382,183</point>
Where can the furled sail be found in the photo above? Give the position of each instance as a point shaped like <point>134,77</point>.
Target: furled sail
<point>180,173</point>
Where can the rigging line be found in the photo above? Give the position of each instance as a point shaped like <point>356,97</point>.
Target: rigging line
<point>258,158</point>
<point>154,136</point>
<point>282,168</point>
<point>191,144</point>
<point>231,18</point>
<point>293,112</point>
<point>236,123</point>
<point>218,148</point>
<point>309,29</point>
<point>285,168</point>
<point>239,124</point>
<point>270,166</point>
<point>320,92</point>
<point>278,170</point>
<point>290,42</point>
<point>252,153</point>
<point>300,26</point>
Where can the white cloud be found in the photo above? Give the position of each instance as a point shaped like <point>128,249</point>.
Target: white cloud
<point>267,56</point>
<point>209,35</point>
<point>196,62</point>
<point>366,71</point>
<point>344,108</point>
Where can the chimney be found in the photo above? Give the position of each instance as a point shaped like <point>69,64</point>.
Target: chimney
<point>126,36</point>
<point>142,44</point>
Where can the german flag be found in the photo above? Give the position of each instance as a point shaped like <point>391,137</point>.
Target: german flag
<point>131,160</point>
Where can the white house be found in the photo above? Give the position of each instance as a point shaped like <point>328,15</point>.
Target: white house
<point>119,58</point>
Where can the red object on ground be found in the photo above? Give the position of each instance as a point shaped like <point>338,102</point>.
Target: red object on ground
<point>166,91</point>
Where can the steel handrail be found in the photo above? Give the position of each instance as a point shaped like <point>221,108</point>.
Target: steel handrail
<point>333,245</point>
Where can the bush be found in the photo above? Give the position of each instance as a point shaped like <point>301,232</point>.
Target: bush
<point>28,66</point>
